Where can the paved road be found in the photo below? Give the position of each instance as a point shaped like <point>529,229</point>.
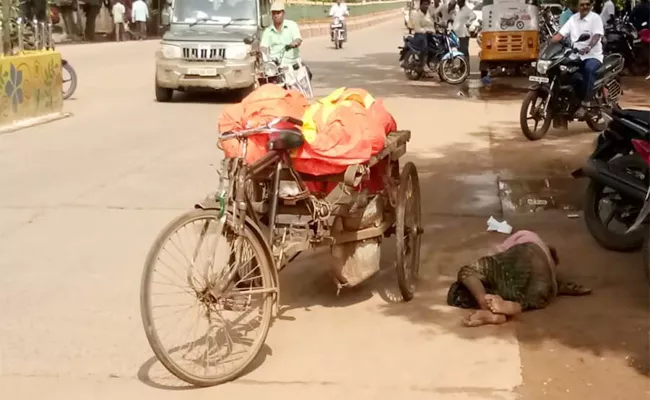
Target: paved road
<point>84,198</point>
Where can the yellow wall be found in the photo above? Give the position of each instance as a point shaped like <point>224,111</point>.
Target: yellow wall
<point>30,86</point>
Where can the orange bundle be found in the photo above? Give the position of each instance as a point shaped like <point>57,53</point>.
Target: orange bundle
<point>258,108</point>
<point>374,106</point>
<point>339,131</point>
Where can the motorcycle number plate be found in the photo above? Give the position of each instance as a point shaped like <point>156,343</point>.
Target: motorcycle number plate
<point>538,79</point>
<point>202,71</point>
<point>337,26</point>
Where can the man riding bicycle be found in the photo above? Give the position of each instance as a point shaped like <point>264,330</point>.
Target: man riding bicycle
<point>591,52</point>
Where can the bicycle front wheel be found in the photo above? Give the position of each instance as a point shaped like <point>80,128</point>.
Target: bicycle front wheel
<point>200,275</point>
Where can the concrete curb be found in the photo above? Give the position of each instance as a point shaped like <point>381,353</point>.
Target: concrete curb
<point>28,123</point>
<point>308,30</point>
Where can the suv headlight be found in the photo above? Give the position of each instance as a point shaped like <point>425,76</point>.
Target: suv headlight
<point>542,66</point>
<point>237,52</point>
<point>171,51</point>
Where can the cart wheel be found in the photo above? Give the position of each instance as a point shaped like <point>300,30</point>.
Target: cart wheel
<point>408,229</point>
<point>225,307</point>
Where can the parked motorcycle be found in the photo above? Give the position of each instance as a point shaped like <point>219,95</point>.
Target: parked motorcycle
<point>442,56</point>
<point>297,76</point>
<point>337,32</point>
<point>507,22</point>
<point>619,179</point>
<point>558,75</point>
<point>621,37</point>
<point>642,225</point>
<point>69,82</point>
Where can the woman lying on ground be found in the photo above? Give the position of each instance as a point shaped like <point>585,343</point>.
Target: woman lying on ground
<point>520,276</point>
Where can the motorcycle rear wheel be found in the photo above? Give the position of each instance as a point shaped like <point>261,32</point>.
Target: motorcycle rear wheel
<point>598,228</point>
<point>411,71</point>
<point>535,134</point>
<point>646,255</point>
<point>596,125</point>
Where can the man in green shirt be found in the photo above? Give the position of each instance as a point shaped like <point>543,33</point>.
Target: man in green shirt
<point>281,37</point>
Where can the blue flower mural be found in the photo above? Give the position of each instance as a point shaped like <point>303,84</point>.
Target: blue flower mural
<point>14,87</point>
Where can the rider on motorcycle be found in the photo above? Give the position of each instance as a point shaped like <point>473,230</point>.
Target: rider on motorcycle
<point>641,14</point>
<point>340,10</point>
<point>591,52</point>
<point>282,39</point>
<point>422,26</point>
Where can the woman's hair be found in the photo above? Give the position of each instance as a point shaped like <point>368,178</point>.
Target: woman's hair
<point>554,255</point>
<point>461,3</point>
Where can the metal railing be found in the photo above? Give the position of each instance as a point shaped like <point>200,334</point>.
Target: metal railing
<point>26,35</point>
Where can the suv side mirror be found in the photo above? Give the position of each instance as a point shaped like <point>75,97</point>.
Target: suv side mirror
<point>265,21</point>
<point>249,40</point>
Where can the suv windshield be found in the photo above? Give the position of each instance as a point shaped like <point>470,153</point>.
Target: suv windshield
<point>214,11</point>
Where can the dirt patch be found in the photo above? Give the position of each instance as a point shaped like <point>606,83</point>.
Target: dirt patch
<point>594,346</point>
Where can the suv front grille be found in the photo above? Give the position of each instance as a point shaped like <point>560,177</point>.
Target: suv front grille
<point>203,53</point>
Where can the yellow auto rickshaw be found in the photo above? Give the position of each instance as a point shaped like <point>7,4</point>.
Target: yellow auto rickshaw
<point>510,35</point>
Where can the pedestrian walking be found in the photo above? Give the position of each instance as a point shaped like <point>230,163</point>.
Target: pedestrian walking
<point>139,16</point>
<point>118,12</point>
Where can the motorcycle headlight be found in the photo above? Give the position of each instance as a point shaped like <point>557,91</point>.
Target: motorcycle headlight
<point>239,52</point>
<point>171,51</point>
<point>542,66</point>
<point>271,69</point>
<point>336,21</point>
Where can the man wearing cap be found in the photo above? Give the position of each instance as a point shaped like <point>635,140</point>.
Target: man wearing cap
<point>282,37</point>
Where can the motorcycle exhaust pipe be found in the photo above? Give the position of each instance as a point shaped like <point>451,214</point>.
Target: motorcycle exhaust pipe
<point>623,183</point>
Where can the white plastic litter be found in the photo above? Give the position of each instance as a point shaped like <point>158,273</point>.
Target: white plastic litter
<point>495,226</point>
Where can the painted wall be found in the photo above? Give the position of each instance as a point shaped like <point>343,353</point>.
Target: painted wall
<point>318,10</point>
<point>30,86</point>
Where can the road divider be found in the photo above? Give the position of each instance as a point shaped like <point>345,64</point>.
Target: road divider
<point>30,89</point>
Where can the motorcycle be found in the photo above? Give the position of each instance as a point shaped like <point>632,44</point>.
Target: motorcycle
<point>641,225</point>
<point>558,74</point>
<point>507,22</point>
<point>619,176</point>
<point>296,76</point>
<point>621,37</point>
<point>337,32</point>
<point>442,56</point>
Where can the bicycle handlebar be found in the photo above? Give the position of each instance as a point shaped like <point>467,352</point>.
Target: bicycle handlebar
<point>260,130</point>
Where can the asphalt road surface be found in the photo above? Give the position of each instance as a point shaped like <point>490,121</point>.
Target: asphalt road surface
<point>83,199</point>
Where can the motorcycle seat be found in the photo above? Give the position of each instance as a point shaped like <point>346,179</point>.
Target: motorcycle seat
<point>610,63</point>
<point>638,117</point>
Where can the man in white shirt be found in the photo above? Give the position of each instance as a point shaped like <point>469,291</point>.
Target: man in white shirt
<point>423,25</point>
<point>140,15</point>
<point>340,10</point>
<point>118,11</point>
<point>591,51</point>
<point>609,11</point>
<point>463,19</point>
<point>446,12</point>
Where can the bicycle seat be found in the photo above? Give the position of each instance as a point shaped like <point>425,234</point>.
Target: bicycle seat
<point>286,139</point>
